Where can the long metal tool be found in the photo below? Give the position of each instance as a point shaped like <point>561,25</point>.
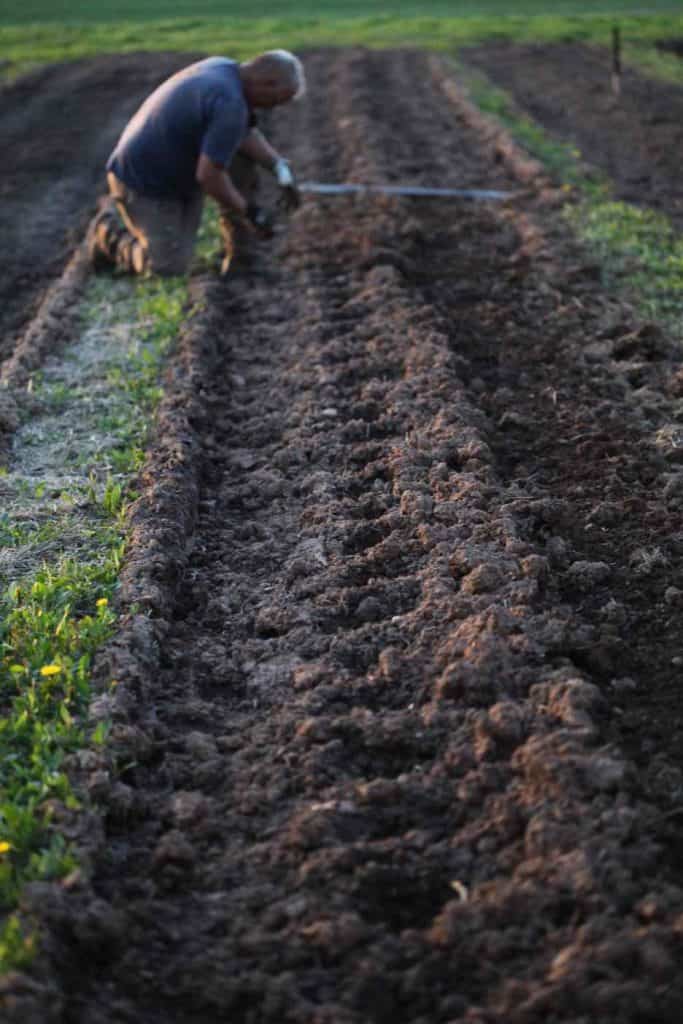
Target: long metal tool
<point>324,189</point>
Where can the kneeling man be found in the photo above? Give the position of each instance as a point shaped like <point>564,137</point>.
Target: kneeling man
<point>195,135</point>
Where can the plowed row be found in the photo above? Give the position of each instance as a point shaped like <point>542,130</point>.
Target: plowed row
<point>636,140</point>
<point>403,570</point>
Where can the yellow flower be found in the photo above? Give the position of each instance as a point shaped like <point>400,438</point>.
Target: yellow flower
<point>5,847</point>
<point>50,670</point>
<point>102,602</point>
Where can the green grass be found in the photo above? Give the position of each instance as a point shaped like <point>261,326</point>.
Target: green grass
<point>640,253</point>
<point>433,26</point>
<point>57,614</point>
<point>151,10</point>
<point>52,625</point>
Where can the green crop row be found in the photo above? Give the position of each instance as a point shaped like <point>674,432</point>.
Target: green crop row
<point>63,540</point>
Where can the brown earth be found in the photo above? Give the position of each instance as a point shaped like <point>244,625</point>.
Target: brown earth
<point>396,731</point>
<point>636,139</point>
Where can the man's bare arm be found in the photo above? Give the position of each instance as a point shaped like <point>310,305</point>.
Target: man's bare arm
<point>258,149</point>
<point>217,183</point>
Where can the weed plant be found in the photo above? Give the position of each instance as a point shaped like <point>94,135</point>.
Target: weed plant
<point>57,611</point>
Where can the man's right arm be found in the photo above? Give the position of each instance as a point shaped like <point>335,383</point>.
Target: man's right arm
<point>216,182</point>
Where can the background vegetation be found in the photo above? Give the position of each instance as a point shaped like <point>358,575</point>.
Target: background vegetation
<point>11,12</point>
<point>47,30</point>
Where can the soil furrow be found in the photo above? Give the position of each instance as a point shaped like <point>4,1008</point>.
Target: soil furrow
<point>635,139</point>
<point>626,511</point>
<point>584,422</point>
<point>368,775</point>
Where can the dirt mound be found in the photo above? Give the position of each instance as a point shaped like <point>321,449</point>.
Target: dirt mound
<point>636,140</point>
<point>404,579</point>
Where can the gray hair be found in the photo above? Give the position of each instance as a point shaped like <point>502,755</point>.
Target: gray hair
<point>286,65</point>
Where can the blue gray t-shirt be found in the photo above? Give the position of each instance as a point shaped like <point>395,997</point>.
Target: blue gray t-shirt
<point>201,109</point>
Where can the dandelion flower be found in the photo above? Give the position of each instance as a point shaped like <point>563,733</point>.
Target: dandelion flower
<point>50,670</point>
<point>5,847</point>
<point>102,602</point>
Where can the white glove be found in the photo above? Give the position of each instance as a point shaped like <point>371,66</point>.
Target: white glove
<point>287,182</point>
<point>283,173</point>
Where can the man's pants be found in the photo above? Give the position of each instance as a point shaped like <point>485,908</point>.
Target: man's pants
<point>165,229</point>
<point>160,233</point>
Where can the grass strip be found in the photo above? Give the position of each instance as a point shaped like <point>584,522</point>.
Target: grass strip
<point>149,10</point>
<point>63,535</point>
<point>639,251</point>
<point>431,26</point>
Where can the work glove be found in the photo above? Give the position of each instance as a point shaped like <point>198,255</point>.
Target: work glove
<point>290,197</point>
<point>261,220</point>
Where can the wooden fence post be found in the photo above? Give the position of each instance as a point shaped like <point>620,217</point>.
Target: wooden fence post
<point>616,61</point>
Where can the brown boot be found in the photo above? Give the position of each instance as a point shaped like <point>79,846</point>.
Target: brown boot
<point>103,235</point>
<point>110,244</point>
<point>129,255</point>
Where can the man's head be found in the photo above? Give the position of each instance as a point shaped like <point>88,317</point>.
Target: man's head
<point>273,78</point>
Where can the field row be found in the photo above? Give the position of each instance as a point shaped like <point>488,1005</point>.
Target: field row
<point>388,725</point>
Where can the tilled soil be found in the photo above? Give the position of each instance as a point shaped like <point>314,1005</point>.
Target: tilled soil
<point>636,139</point>
<point>396,727</point>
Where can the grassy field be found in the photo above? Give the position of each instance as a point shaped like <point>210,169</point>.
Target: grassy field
<point>151,10</point>
<point>24,45</point>
<point>37,31</point>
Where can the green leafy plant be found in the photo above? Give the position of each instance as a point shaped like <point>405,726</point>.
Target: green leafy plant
<point>55,618</point>
<point>639,251</point>
<point>17,946</point>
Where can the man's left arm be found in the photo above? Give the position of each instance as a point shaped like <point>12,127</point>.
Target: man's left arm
<point>258,149</point>
<point>256,146</point>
